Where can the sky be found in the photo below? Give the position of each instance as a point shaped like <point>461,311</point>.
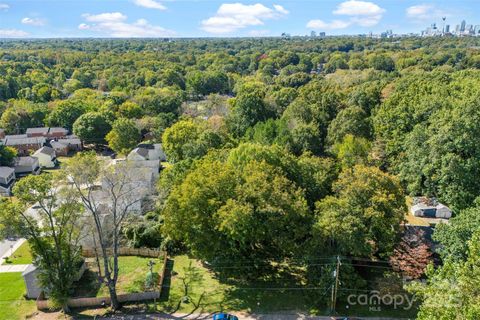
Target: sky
<point>213,18</point>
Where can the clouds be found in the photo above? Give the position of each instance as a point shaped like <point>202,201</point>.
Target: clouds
<point>424,12</point>
<point>231,17</point>
<point>13,33</point>
<point>151,4</point>
<point>4,7</point>
<point>38,22</point>
<point>114,24</point>
<point>357,13</point>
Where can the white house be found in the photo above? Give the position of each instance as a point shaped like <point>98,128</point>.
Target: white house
<point>7,180</point>
<point>46,156</point>
<point>430,208</point>
<point>27,165</point>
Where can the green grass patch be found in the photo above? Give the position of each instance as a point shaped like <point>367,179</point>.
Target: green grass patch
<point>22,255</point>
<point>12,303</point>
<point>208,294</point>
<point>132,276</point>
<point>284,292</point>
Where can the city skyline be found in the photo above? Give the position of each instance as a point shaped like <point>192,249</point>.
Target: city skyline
<point>180,18</point>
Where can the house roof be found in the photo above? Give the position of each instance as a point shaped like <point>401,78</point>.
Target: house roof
<point>42,130</point>
<point>17,140</point>
<point>45,150</point>
<point>26,161</point>
<point>58,129</point>
<point>31,268</point>
<point>6,171</point>
<point>149,146</point>
<point>71,141</point>
<point>58,145</point>
<point>141,151</point>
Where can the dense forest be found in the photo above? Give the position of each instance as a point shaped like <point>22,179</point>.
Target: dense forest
<point>281,151</point>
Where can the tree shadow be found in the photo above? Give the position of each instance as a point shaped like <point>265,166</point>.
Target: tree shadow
<point>167,281</point>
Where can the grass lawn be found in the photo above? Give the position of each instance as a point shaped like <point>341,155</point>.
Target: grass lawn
<point>12,304</point>
<point>208,294</point>
<point>22,255</point>
<point>133,273</point>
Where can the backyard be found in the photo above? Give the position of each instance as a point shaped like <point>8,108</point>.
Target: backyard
<point>133,271</point>
<point>12,303</point>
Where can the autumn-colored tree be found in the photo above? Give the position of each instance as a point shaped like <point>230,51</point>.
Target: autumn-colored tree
<point>412,255</point>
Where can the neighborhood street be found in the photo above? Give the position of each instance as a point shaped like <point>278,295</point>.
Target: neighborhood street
<point>241,316</point>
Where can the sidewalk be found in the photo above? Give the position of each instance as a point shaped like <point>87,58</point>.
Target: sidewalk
<point>10,251</point>
<point>13,268</point>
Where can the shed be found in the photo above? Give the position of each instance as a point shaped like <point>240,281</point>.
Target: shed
<point>31,282</point>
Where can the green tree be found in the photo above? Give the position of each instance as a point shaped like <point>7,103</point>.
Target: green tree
<point>455,235</point>
<point>7,154</point>
<point>92,127</point>
<point>352,151</point>
<point>382,62</point>
<point>364,216</point>
<point>190,139</point>
<point>452,290</point>
<point>65,113</point>
<point>124,136</point>
<point>226,212</point>
<point>248,108</point>
<point>53,233</point>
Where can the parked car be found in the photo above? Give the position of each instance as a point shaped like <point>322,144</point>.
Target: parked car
<point>224,316</point>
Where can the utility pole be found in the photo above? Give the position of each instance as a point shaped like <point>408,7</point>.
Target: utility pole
<point>336,274</point>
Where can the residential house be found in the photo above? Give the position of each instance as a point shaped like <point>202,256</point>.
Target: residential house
<point>24,144</point>
<point>27,165</point>
<point>61,149</point>
<point>65,145</point>
<point>47,157</point>
<point>51,133</point>
<point>57,133</point>
<point>430,208</point>
<point>7,180</point>
<point>37,132</point>
<point>147,156</point>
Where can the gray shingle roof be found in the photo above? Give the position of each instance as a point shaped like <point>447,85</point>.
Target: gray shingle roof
<point>46,150</point>
<point>6,171</point>
<point>141,151</point>
<point>26,161</point>
<point>58,129</point>
<point>43,130</point>
<point>23,140</point>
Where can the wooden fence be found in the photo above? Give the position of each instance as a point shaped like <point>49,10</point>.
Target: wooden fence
<point>43,304</point>
<point>142,252</point>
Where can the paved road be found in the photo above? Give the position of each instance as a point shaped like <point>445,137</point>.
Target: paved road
<point>277,316</point>
<point>5,246</point>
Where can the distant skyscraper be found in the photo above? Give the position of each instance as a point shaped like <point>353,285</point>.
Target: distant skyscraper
<point>313,34</point>
<point>447,28</point>
<point>477,29</point>
<point>462,26</point>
